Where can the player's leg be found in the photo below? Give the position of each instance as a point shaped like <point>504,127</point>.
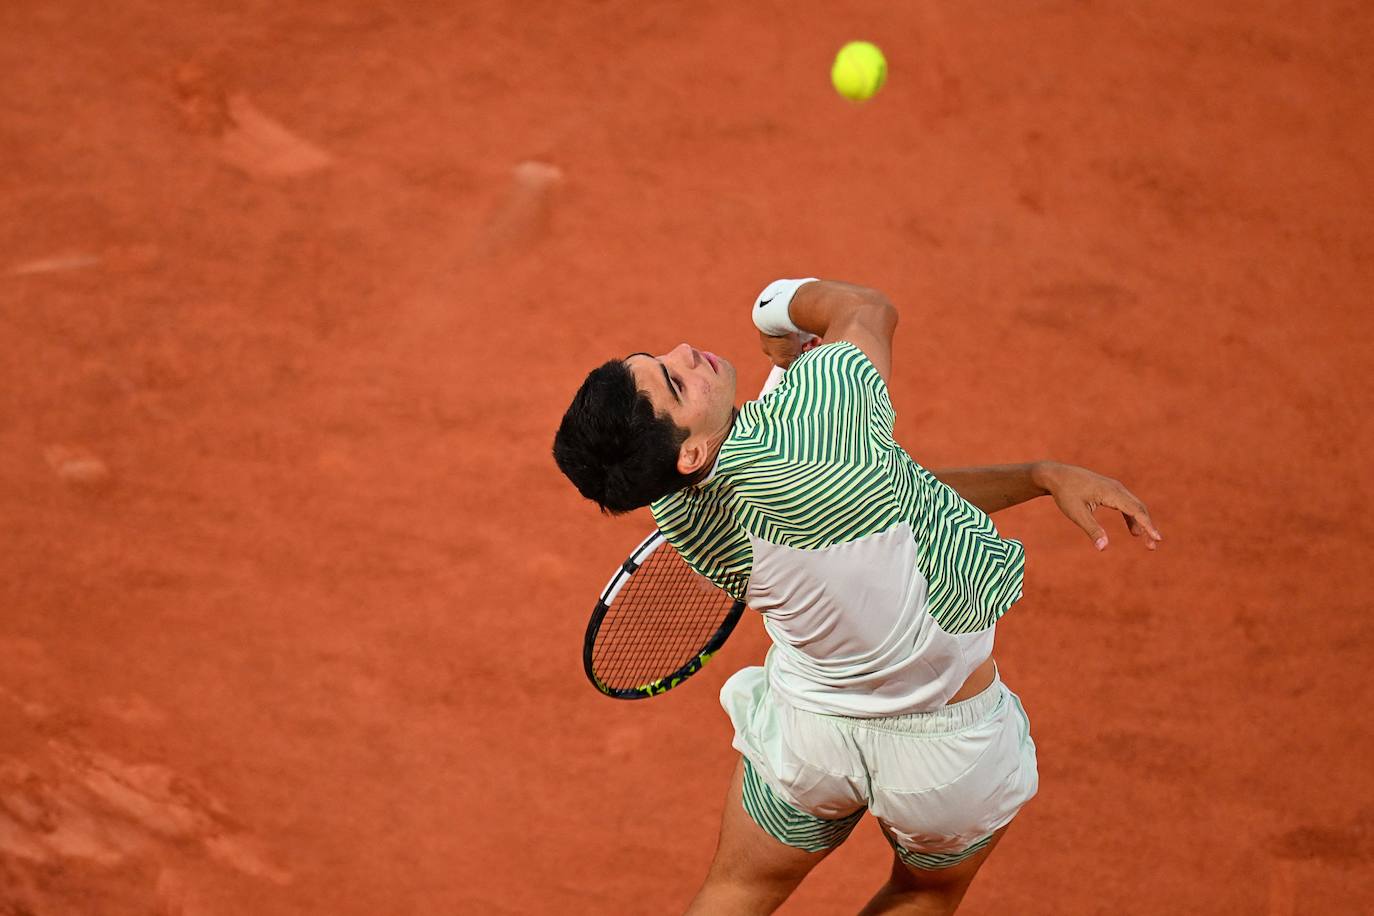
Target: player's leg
<point>952,780</point>
<point>753,871</point>
<point>928,886</point>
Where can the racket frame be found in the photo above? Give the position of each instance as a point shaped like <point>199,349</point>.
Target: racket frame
<point>637,558</point>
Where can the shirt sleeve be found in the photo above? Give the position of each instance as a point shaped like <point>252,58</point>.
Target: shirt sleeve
<point>825,448</point>
<point>835,405</point>
<point>705,534</point>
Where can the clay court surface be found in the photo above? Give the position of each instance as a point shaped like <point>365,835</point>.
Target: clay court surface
<point>293,294</point>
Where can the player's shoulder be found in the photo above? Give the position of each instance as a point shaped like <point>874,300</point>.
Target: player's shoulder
<point>828,372</point>
<point>840,359</point>
<point>675,509</point>
<point>700,506</point>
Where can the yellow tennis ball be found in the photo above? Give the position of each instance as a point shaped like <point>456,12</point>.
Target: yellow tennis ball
<point>859,71</point>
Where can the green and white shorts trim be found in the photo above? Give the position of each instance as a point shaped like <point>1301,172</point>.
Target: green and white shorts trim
<point>939,783</point>
<point>787,823</point>
<point>932,860</point>
<point>792,826</point>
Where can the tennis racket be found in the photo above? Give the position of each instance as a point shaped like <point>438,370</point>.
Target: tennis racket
<point>658,621</point>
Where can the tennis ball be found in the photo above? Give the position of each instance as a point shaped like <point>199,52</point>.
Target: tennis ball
<point>859,71</point>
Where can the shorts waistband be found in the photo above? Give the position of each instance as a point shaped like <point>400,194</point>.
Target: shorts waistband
<point>952,718</point>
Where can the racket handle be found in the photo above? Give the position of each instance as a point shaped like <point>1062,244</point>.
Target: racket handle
<point>773,380</point>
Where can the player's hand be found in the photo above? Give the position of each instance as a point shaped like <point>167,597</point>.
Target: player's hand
<point>781,351</point>
<point>1079,492</point>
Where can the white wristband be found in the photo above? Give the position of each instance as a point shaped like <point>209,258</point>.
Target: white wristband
<point>770,308</point>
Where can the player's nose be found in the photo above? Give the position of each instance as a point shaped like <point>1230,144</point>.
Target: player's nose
<point>686,353</point>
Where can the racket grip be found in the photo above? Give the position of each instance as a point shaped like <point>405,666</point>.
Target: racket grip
<point>773,380</point>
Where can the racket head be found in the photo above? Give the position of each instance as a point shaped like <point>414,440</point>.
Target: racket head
<point>656,624</point>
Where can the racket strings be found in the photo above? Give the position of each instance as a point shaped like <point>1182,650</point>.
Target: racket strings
<point>663,617</point>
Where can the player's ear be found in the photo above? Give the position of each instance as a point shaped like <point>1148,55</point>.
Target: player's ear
<point>691,457</point>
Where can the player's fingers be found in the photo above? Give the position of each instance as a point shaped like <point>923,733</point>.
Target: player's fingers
<point>1082,516</point>
<point>1141,516</point>
<point>1136,515</point>
<point>1138,530</point>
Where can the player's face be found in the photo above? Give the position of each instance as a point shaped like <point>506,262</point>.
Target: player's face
<point>694,387</point>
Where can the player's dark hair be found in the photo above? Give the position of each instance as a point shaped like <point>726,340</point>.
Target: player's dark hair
<point>612,445</point>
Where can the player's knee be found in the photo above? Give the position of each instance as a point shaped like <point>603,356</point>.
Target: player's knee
<point>907,892</point>
<point>760,871</point>
<point>925,903</point>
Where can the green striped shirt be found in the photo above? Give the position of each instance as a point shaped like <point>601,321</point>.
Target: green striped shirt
<point>814,464</point>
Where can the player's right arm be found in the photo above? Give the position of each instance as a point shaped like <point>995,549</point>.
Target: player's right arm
<point>836,311</point>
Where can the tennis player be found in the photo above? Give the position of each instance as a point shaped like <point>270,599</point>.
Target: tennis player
<point>880,584</point>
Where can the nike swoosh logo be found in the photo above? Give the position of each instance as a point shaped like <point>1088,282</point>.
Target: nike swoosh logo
<point>763,302</point>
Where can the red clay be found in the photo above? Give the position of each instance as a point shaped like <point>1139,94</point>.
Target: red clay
<point>293,593</point>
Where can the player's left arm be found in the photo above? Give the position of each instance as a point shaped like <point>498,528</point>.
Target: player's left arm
<point>1077,491</point>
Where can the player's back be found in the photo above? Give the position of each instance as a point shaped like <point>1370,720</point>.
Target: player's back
<point>879,585</point>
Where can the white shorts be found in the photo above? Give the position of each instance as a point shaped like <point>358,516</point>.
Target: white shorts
<point>940,782</point>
